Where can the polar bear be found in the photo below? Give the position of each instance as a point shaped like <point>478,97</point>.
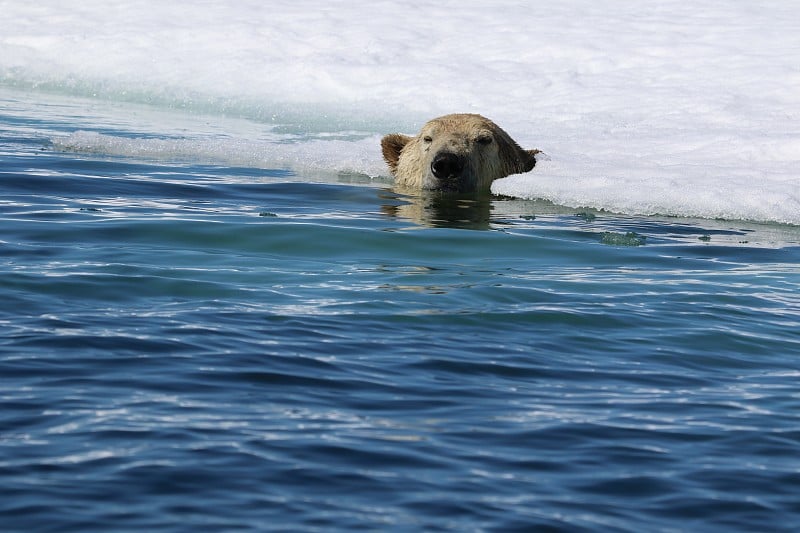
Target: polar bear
<point>455,153</point>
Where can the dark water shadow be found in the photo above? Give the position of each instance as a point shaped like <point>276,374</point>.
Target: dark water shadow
<point>464,210</point>
<point>439,210</point>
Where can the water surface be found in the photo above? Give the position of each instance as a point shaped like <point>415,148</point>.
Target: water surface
<point>186,343</point>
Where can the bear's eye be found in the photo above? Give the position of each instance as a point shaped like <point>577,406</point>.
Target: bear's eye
<point>484,139</point>
<point>427,139</point>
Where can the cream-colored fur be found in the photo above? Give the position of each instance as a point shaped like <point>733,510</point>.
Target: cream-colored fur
<point>459,153</point>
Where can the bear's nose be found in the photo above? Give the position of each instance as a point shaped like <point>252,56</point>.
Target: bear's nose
<point>447,165</point>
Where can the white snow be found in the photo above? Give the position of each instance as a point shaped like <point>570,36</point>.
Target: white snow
<point>642,107</point>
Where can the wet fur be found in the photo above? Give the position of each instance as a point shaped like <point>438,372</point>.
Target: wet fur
<point>488,152</point>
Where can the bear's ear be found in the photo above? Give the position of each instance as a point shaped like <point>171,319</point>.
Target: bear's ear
<point>531,159</point>
<point>392,145</point>
<point>516,160</point>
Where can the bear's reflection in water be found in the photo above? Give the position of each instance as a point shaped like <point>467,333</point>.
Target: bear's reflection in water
<point>438,209</point>
<point>463,210</point>
<point>435,209</point>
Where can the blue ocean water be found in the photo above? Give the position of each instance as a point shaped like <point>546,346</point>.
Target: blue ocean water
<point>187,344</point>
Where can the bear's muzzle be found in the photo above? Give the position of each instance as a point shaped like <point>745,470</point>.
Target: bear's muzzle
<point>447,165</point>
